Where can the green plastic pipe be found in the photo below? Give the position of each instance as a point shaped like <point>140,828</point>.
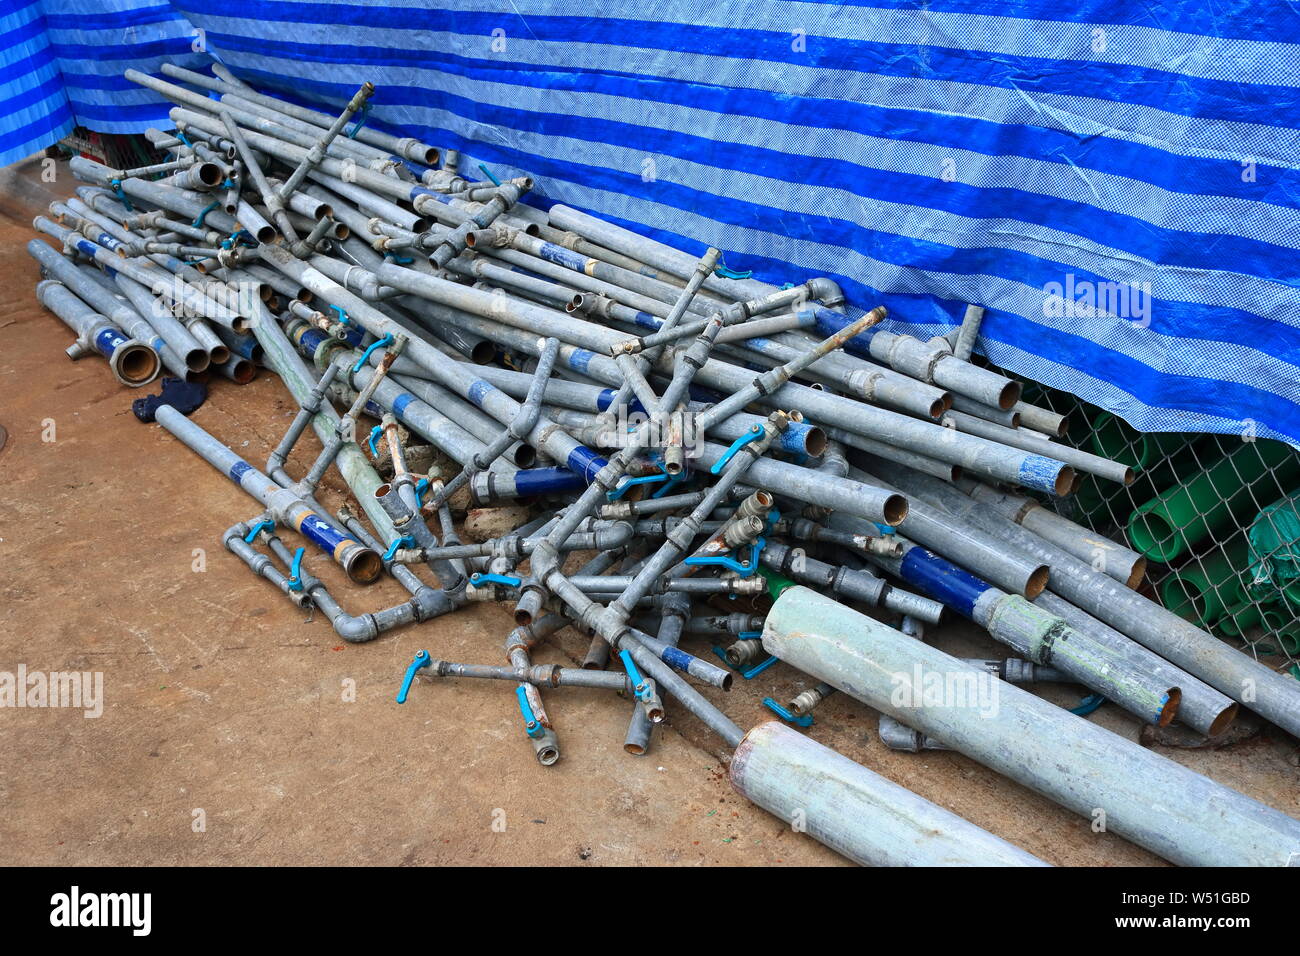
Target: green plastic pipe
<point>1167,526</point>
<point>1116,439</point>
<point>1205,587</point>
<point>1281,624</point>
<point>1239,618</point>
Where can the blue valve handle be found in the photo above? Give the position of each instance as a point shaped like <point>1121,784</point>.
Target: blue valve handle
<point>406,541</point>
<point>421,660</point>
<point>365,356</point>
<point>508,580</point>
<point>672,482</point>
<point>629,482</point>
<point>374,435</point>
<point>1088,705</point>
<point>753,671</point>
<point>268,526</point>
<point>532,726</point>
<point>639,685</point>
<point>754,434</point>
<point>805,721</point>
<point>488,173</point>
<point>295,570</point>
<point>421,487</point>
<point>744,569</point>
<point>343,316</point>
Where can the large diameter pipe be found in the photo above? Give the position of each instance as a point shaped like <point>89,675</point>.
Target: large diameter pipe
<point>1148,799</point>
<point>133,362</point>
<point>855,811</point>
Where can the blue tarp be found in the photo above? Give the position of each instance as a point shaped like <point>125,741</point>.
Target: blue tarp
<point>1117,182</point>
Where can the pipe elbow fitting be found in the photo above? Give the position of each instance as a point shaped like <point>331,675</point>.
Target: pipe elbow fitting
<point>356,630</point>
<point>826,291</point>
<point>611,538</point>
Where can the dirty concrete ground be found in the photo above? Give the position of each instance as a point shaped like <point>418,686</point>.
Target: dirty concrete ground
<point>228,735</point>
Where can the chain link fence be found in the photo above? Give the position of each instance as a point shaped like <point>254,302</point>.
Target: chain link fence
<point>1217,517</point>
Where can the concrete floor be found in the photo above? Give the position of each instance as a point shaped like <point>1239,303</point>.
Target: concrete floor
<point>225,706</point>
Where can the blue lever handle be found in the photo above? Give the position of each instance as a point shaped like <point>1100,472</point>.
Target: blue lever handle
<point>267,526</point>
<point>365,356</point>
<point>753,671</point>
<point>421,660</point>
<point>623,487</point>
<point>295,570</point>
<point>532,726</point>
<point>743,568</point>
<point>406,541</point>
<point>639,685</point>
<point>755,433</point>
<point>805,721</point>
<point>374,434</point>
<point>508,580</point>
<point>343,316</point>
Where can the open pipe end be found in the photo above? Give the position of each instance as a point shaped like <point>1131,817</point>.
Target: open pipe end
<point>241,324</point>
<point>219,355</point>
<point>940,405</point>
<point>815,442</point>
<point>267,234</point>
<point>431,157</point>
<point>1167,712</point>
<point>523,617</point>
<point>264,292</point>
<point>341,231</point>
<point>196,360</point>
<point>483,353</point>
<point>1009,395</point>
<point>895,510</point>
<point>636,750</point>
<point>1065,482</point>
<point>532,229</point>
<point>525,455</point>
<point>136,364</point>
<point>1224,720</point>
<point>243,372</point>
<point>364,566</point>
<point>210,174</point>
<point>1136,575</point>
<point>726,682</point>
<point>673,467</point>
<point>1129,476</point>
<point>1037,581</point>
<point>574,304</point>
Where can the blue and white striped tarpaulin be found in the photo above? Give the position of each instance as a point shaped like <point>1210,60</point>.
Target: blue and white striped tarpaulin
<point>1116,182</point>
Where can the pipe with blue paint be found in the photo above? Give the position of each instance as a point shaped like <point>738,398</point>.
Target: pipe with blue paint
<point>132,362</point>
<point>361,563</point>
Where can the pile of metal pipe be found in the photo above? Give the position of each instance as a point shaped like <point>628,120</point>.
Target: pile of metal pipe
<point>705,442</point>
